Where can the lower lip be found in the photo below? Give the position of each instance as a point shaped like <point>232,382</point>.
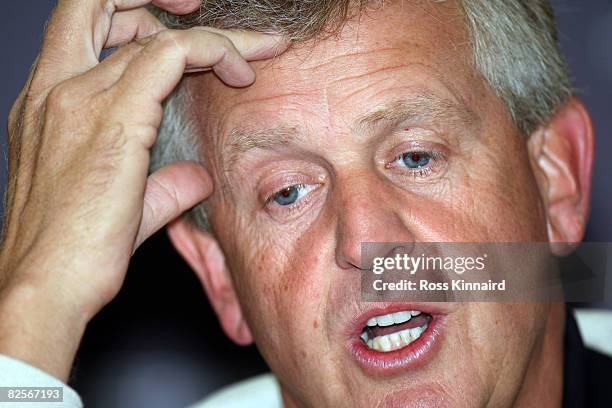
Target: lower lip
<point>413,356</point>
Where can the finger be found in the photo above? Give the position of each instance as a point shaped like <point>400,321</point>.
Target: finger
<point>155,72</point>
<point>106,74</point>
<point>129,25</point>
<point>169,192</point>
<point>78,30</point>
<point>110,70</point>
<point>250,44</point>
<point>178,6</point>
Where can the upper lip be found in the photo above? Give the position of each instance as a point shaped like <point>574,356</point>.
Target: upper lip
<point>355,327</point>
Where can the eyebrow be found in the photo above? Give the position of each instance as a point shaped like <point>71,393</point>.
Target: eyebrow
<point>416,108</point>
<point>244,138</point>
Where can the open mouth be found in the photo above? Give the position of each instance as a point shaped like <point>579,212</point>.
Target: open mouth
<point>389,338</point>
<point>394,331</point>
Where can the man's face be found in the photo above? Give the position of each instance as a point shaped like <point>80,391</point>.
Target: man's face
<point>383,134</point>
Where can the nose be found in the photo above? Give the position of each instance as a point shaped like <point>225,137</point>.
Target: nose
<point>367,212</point>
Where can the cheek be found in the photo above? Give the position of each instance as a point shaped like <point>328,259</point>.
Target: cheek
<point>282,284</point>
<point>485,356</point>
<point>512,195</point>
<point>494,326</point>
<point>501,353</point>
<point>494,197</point>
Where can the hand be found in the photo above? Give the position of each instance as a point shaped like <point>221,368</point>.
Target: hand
<point>79,201</point>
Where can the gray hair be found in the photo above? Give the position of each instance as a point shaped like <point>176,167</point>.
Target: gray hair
<point>514,44</point>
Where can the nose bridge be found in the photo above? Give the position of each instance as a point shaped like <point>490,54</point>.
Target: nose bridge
<point>365,213</point>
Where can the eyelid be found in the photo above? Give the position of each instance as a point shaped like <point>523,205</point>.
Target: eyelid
<point>434,155</point>
<point>417,146</point>
<point>271,187</point>
<point>271,197</point>
<point>287,213</point>
<point>438,153</point>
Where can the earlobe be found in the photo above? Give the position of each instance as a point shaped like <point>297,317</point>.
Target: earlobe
<point>202,252</point>
<point>562,157</point>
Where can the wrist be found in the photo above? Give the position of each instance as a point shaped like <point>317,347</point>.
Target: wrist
<point>41,326</point>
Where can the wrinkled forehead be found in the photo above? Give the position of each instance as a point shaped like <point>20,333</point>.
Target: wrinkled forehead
<point>418,47</point>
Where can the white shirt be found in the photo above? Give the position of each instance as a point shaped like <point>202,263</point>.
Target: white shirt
<point>260,391</point>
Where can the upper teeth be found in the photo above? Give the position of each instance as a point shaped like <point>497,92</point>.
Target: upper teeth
<point>392,318</point>
<point>396,340</point>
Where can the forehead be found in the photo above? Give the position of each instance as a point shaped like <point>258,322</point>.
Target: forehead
<point>390,50</point>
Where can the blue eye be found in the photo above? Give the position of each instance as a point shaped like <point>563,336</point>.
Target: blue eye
<point>415,160</point>
<point>287,196</point>
<point>291,194</point>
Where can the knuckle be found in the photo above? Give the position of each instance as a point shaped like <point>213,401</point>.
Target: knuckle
<point>61,98</point>
<point>132,48</point>
<point>167,39</point>
<point>222,41</point>
<point>144,135</point>
<point>149,136</point>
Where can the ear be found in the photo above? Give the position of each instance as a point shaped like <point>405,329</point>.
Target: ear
<point>202,252</point>
<point>561,155</point>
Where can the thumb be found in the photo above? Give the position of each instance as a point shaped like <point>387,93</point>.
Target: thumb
<point>170,191</point>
